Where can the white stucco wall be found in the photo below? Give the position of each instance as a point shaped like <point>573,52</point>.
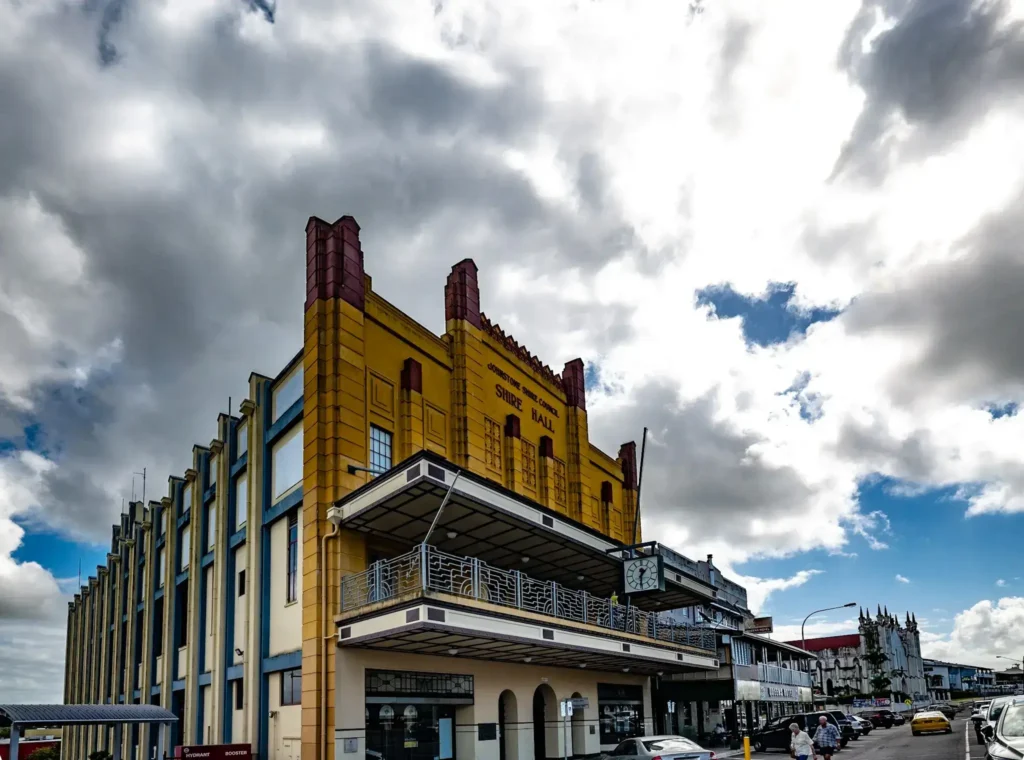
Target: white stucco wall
<point>241,606</point>
<point>285,729</point>
<point>211,622</point>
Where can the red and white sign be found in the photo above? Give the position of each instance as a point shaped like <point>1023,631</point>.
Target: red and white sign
<point>214,752</point>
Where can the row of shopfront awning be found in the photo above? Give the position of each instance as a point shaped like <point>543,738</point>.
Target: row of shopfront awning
<point>506,579</point>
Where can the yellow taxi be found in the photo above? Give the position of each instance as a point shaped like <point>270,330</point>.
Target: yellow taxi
<point>930,722</point>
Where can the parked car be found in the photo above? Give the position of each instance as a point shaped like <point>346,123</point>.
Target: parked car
<point>878,718</point>
<point>659,748</point>
<point>776,734</point>
<point>930,721</point>
<point>897,718</point>
<point>978,718</point>
<point>1006,738</point>
<point>848,728</point>
<point>991,715</point>
<point>866,726</point>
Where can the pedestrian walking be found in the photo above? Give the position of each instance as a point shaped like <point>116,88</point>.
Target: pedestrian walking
<point>801,747</point>
<point>827,738</point>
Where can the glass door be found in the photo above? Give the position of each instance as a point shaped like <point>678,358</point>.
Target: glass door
<point>404,731</point>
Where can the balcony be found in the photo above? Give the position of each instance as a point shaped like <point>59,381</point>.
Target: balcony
<point>785,676</point>
<point>504,529</point>
<point>549,621</point>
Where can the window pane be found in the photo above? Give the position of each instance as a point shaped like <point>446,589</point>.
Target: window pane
<point>161,568</point>
<point>291,687</point>
<point>163,521</point>
<point>241,500</point>
<point>212,478</point>
<point>186,546</point>
<point>293,557</point>
<point>380,450</point>
<point>241,439</point>
<point>186,498</point>
<point>211,526</point>
<point>287,463</point>
<point>287,392</point>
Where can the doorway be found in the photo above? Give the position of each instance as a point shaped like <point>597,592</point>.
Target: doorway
<point>545,723</point>
<point>579,730</point>
<point>508,726</point>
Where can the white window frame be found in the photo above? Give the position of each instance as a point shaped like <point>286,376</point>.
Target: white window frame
<point>211,526</point>
<point>186,548</point>
<point>241,505</point>
<point>241,437</point>
<point>211,475</point>
<point>186,498</point>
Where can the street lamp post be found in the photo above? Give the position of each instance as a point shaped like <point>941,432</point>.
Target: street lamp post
<point>803,641</point>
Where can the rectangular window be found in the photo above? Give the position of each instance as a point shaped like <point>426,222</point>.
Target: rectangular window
<point>186,498</point>
<point>529,465</point>
<point>241,500</point>
<point>163,521</point>
<point>161,566</point>
<point>186,548</point>
<point>293,557</point>
<point>211,527</point>
<point>287,463</point>
<point>241,582</point>
<point>239,694</point>
<point>241,439</point>
<point>211,476</point>
<point>287,392</point>
<point>380,450</point>
<point>291,687</point>
<point>492,444</point>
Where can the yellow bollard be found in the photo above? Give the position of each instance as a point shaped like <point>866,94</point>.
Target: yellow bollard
<point>746,748</point>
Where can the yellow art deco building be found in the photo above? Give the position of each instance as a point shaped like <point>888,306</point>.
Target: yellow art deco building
<point>404,546</point>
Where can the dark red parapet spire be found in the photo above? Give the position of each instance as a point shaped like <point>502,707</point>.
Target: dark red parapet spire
<point>412,376</point>
<point>574,383</point>
<point>462,294</point>
<point>334,262</point>
<point>627,453</point>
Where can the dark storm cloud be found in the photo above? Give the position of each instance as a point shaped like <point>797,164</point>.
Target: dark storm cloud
<point>702,473</point>
<point>967,313</point>
<point>193,251</point>
<point>110,14</point>
<point>942,66</point>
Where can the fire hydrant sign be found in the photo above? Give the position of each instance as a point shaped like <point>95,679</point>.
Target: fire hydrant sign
<point>215,752</point>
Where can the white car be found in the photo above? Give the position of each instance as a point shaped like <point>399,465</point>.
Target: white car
<point>659,748</point>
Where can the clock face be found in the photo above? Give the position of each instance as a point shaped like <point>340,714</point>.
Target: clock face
<point>642,574</point>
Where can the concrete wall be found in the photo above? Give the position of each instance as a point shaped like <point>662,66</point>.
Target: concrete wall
<point>491,680</point>
<point>285,737</point>
<point>241,604</point>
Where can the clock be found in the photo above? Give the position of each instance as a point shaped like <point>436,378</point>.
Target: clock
<point>643,574</point>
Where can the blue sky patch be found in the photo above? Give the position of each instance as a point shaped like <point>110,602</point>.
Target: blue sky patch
<point>766,321</point>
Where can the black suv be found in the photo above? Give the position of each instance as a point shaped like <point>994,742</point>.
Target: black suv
<point>847,727</point>
<point>878,718</point>
<point>776,734</point>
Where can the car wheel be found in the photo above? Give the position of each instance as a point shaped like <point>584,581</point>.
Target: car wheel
<point>758,746</point>
<point>981,739</point>
<point>915,733</point>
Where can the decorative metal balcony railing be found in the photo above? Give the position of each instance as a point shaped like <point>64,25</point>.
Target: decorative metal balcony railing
<point>775,674</point>
<point>425,568</point>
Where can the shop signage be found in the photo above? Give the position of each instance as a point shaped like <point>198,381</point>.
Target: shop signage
<point>761,625</point>
<point>580,703</point>
<point>512,393</point>
<point>771,692</point>
<point>876,702</point>
<point>216,752</point>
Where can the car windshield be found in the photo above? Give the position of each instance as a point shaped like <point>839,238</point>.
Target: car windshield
<point>669,744</point>
<point>1013,722</point>
<point>995,710</point>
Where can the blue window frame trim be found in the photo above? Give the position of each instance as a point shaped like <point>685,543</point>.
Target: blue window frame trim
<point>137,694</point>
<point>140,606</point>
<point>185,519</point>
<point>207,559</point>
<point>205,679</point>
<point>236,671</point>
<point>209,493</point>
<point>181,577</point>
<point>158,594</point>
<point>237,538</point>
<point>161,540</point>
<point>154,691</point>
<point>124,618</point>
<point>284,422</point>
<point>283,507</point>
<point>239,464</point>
<point>178,685</point>
<point>286,661</point>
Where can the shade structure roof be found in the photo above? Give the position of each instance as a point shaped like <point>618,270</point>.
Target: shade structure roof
<point>502,528</point>
<point>84,715</point>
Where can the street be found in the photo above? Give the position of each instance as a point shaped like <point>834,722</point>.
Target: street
<point>898,743</point>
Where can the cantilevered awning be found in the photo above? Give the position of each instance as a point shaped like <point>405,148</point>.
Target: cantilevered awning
<point>505,529</point>
<point>29,716</point>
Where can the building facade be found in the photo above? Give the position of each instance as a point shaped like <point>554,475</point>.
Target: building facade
<point>883,656</point>
<point>403,543</point>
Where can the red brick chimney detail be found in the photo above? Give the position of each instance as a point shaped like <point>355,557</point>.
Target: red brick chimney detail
<point>627,453</point>
<point>334,262</point>
<point>462,294</point>
<point>574,383</point>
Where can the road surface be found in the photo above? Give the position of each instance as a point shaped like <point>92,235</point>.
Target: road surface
<point>898,743</point>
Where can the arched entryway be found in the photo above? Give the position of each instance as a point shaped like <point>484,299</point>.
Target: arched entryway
<point>579,730</point>
<point>545,723</point>
<point>508,726</point>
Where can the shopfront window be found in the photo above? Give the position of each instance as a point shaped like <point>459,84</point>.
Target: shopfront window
<point>621,712</point>
<point>411,716</point>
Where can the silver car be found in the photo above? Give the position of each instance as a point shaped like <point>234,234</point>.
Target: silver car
<point>660,748</point>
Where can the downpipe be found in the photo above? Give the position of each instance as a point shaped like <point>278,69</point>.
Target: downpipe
<point>326,638</point>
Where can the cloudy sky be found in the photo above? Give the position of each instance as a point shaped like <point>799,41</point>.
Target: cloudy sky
<point>785,236</point>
